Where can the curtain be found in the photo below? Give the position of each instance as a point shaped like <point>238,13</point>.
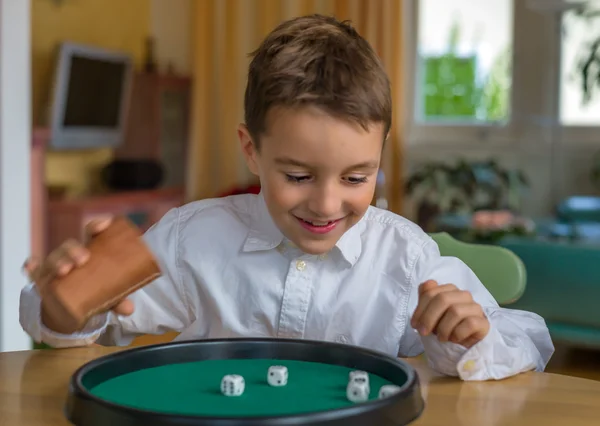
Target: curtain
<point>225,32</point>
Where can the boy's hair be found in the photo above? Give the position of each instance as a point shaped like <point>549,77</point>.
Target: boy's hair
<point>317,60</point>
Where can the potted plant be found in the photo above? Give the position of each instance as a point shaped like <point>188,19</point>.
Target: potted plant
<point>588,65</point>
<point>462,188</point>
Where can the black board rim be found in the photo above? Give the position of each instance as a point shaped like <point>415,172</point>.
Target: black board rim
<point>409,396</point>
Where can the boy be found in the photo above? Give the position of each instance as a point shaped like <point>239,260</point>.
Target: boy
<point>309,257</point>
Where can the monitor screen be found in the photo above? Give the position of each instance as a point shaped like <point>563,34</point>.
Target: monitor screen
<point>94,93</point>
<point>89,97</point>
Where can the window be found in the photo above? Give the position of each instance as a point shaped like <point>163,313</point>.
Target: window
<point>464,61</point>
<point>580,67</point>
<point>501,73</point>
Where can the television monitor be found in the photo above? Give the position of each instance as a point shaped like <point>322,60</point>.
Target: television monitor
<point>90,95</point>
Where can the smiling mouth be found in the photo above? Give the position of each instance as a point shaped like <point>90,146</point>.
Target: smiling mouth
<point>318,222</point>
<point>319,227</point>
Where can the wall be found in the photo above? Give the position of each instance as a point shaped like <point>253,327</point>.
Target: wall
<point>171,26</point>
<point>112,24</point>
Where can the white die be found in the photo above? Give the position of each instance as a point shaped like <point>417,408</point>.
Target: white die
<point>232,385</point>
<point>357,392</point>
<point>277,375</point>
<point>388,390</point>
<point>359,377</point>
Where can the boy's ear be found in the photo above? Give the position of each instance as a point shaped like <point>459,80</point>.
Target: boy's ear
<point>248,148</point>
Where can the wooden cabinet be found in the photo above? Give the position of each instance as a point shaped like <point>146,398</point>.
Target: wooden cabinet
<point>157,129</point>
<point>67,217</point>
<point>158,124</point>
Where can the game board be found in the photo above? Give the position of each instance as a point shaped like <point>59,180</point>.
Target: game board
<point>179,384</point>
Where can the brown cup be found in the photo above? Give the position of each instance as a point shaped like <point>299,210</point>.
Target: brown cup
<point>119,264</point>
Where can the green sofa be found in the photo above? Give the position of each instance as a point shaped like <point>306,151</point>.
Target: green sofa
<point>563,286</point>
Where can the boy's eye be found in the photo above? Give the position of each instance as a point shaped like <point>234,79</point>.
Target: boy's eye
<point>296,178</point>
<point>356,180</point>
<point>353,180</point>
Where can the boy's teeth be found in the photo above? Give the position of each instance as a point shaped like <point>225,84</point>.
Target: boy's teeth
<point>317,223</point>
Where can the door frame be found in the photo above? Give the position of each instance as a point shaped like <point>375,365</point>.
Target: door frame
<point>15,146</point>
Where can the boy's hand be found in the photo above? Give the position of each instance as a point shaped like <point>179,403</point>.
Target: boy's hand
<point>71,254</point>
<point>449,313</point>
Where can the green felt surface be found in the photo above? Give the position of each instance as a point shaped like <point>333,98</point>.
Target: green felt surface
<point>194,388</point>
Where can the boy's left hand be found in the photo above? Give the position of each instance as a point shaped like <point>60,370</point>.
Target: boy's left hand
<point>449,313</point>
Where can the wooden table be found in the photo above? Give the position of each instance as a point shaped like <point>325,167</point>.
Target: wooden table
<point>33,387</point>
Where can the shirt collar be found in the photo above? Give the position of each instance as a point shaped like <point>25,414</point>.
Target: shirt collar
<point>350,245</point>
<point>265,235</point>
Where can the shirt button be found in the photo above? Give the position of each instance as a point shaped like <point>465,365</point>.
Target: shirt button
<point>301,265</point>
<point>322,256</point>
<point>341,339</point>
<point>469,365</point>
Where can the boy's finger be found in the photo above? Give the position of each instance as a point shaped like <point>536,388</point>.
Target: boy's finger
<point>437,307</point>
<point>124,307</point>
<point>63,266</point>
<point>43,275</point>
<point>425,299</point>
<point>426,286</point>
<point>57,263</point>
<point>97,225</point>
<point>30,265</point>
<point>469,343</point>
<point>33,269</point>
<point>452,317</point>
<point>470,331</point>
<point>76,252</point>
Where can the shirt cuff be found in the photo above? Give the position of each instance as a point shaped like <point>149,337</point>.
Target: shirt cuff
<point>452,359</point>
<point>488,359</point>
<point>85,337</point>
<point>31,321</point>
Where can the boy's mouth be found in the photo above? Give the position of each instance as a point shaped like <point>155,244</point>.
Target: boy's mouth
<point>317,223</point>
<point>318,226</point>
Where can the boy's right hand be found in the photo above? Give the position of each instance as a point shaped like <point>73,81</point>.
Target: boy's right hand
<point>61,261</point>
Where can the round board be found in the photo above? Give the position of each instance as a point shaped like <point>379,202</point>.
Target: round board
<point>180,384</point>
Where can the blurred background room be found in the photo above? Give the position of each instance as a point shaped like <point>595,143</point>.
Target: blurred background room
<point>495,139</point>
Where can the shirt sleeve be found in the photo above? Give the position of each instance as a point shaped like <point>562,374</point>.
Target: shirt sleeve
<point>159,307</point>
<point>517,341</point>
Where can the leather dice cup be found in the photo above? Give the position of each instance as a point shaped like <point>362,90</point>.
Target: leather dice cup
<point>119,264</point>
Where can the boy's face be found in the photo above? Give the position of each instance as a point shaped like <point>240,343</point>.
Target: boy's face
<point>317,173</point>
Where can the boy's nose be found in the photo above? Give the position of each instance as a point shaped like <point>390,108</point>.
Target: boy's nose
<point>325,203</point>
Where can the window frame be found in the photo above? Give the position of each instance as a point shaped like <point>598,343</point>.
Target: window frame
<point>572,134</point>
<point>15,166</point>
<point>534,120</point>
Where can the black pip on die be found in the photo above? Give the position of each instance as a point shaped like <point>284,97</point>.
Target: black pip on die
<point>277,375</point>
<point>358,388</point>
<point>232,385</point>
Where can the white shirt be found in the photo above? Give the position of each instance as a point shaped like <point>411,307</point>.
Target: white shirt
<point>229,272</point>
